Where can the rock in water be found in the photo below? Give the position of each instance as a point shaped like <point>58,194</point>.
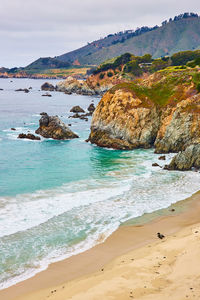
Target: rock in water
<point>47,95</point>
<point>22,90</point>
<point>77,109</point>
<point>186,160</point>
<point>53,127</point>
<point>47,87</point>
<point>72,85</point>
<point>91,108</point>
<point>28,136</point>
<point>162,157</point>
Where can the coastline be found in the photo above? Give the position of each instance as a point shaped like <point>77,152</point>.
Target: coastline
<point>120,243</point>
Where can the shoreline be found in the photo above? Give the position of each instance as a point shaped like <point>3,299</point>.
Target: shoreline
<point>119,243</point>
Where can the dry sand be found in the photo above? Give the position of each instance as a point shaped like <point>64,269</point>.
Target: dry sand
<point>132,264</point>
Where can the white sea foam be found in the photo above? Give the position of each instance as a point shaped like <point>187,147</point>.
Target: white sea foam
<point>28,210</point>
<point>99,204</point>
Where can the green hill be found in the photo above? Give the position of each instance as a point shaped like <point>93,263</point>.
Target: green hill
<point>182,33</point>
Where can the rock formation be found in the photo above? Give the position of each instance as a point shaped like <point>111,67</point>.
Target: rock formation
<point>29,136</point>
<point>77,109</point>
<point>162,111</point>
<point>53,127</point>
<point>46,95</point>
<point>47,87</point>
<point>22,90</point>
<point>186,160</point>
<point>72,85</point>
<point>91,108</point>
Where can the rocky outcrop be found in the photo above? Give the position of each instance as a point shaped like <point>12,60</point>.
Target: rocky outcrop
<point>162,111</point>
<point>186,160</point>
<point>72,85</point>
<point>180,126</point>
<point>121,122</point>
<point>77,109</point>
<point>47,87</point>
<point>91,86</point>
<point>53,127</point>
<point>29,136</point>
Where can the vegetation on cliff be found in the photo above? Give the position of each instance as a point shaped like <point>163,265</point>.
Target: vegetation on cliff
<point>161,110</point>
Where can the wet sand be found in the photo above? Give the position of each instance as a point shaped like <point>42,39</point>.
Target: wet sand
<point>131,264</point>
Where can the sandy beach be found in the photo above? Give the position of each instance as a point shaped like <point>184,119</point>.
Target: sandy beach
<point>131,264</point>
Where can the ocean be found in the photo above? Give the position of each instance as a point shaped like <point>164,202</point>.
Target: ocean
<point>59,198</point>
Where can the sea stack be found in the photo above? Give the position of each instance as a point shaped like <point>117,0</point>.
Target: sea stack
<point>53,127</point>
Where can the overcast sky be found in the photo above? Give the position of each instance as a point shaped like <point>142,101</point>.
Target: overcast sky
<point>30,29</point>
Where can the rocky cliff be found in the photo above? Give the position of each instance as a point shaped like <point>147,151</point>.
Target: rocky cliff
<point>161,111</point>
<point>186,160</point>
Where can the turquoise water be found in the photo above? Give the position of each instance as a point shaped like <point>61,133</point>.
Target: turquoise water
<point>58,198</point>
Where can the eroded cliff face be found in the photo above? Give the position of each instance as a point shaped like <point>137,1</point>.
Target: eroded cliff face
<point>121,121</point>
<point>186,160</point>
<point>180,128</point>
<point>162,111</point>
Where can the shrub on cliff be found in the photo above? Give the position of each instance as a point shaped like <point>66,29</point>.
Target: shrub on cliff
<point>181,58</point>
<point>101,75</point>
<point>133,68</point>
<point>110,74</point>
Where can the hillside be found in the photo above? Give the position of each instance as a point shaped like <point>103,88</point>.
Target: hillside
<point>182,33</point>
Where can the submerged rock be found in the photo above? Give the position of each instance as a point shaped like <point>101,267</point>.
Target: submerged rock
<point>47,95</point>
<point>22,90</point>
<point>29,136</point>
<point>53,127</point>
<point>186,160</point>
<point>47,87</point>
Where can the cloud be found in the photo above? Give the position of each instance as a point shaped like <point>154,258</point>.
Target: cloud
<point>31,28</point>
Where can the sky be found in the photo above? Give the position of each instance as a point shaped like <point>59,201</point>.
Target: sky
<point>30,29</point>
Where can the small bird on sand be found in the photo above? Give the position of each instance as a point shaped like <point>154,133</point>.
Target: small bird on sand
<point>160,236</point>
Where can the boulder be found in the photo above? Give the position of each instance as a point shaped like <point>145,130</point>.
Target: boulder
<point>28,136</point>
<point>91,108</point>
<point>77,109</point>
<point>47,87</point>
<point>155,165</point>
<point>186,160</point>
<point>13,129</point>
<point>162,157</point>
<point>53,127</point>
